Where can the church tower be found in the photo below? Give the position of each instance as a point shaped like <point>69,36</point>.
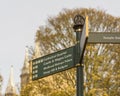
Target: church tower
<point>26,74</point>
<point>37,50</point>
<point>25,70</point>
<point>11,90</point>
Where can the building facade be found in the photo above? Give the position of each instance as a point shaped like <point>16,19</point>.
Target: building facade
<point>26,73</point>
<point>25,70</point>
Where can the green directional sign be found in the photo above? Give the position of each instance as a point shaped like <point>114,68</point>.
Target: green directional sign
<point>53,63</point>
<point>104,37</point>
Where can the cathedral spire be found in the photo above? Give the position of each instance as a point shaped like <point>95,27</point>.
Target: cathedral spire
<point>26,61</point>
<point>10,87</point>
<point>11,77</point>
<point>25,69</point>
<point>37,50</point>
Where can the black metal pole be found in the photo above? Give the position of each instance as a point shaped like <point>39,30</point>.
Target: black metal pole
<point>80,80</point>
<point>79,71</point>
<point>78,27</point>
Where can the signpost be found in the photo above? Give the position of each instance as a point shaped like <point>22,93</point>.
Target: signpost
<point>68,58</point>
<point>53,63</point>
<point>82,44</point>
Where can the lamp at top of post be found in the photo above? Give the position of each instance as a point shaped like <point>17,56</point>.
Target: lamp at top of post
<point>79,23</point>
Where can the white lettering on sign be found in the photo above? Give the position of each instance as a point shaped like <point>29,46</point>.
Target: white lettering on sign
<point>48,67</point>
<point>35,67</point>
<point>46,72</point>
<point>35,76</point>
<point>111,38</point>
<point>107,37</point>
<point>60,63</point>
<point>62,67</point>
<point>53,63</point>
<point>35,71</point>
<point>61,54</point>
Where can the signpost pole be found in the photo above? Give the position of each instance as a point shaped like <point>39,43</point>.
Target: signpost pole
<point>80,80</point>
<point>81,29</point>
<point>78,27</point>
<point>79,75</point>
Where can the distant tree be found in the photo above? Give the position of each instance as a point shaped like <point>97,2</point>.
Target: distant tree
<point>101,62</point>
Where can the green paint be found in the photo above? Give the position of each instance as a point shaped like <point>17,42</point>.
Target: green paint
<point>53,63</point>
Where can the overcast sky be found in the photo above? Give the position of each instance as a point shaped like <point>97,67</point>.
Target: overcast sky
<point>19,20</point>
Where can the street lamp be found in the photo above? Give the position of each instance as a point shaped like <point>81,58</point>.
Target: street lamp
<point>78,28</point>
<point>79,23</point>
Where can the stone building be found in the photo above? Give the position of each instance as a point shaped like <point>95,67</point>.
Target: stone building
<point>25,70</point>
<point>27,67</point>
<point>11,89</point>
<point>25,74</point>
